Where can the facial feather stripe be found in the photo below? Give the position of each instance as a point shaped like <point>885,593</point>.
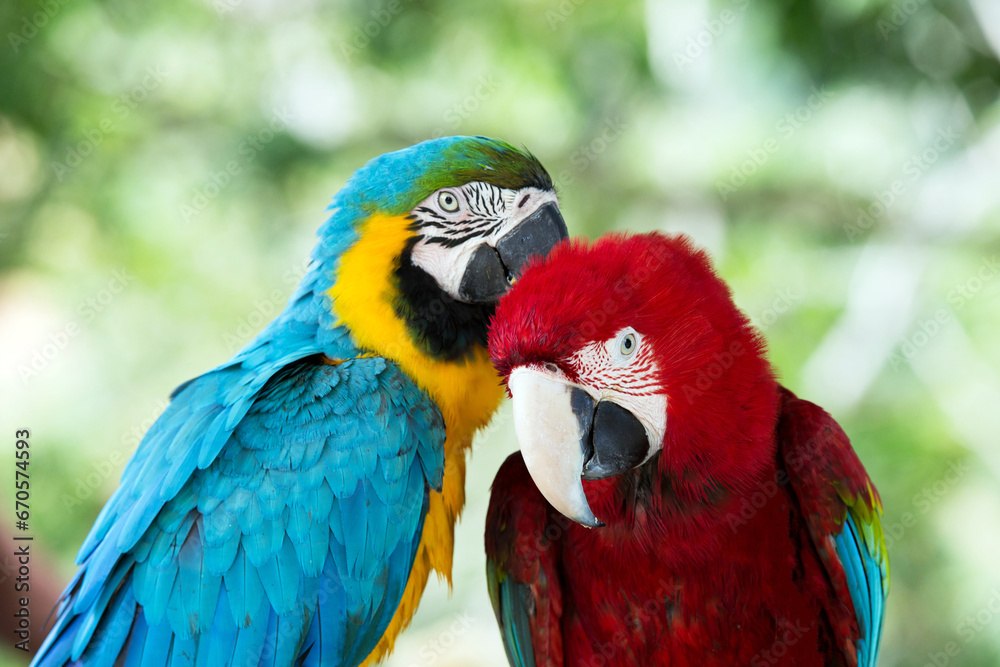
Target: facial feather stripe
<point>484,206</point>
<point>595,367</point>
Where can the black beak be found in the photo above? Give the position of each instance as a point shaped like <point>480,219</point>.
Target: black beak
<point>492,270</point>
<point>613,440</point>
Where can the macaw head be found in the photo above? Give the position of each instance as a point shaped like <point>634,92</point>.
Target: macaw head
<point>431,236</point>
<point>629,356</point>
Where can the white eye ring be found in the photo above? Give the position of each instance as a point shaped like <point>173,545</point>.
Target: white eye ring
<point>628,344</point>
<point>448,201</point>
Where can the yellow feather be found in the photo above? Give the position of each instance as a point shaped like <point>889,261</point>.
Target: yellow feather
<point>467,392</point>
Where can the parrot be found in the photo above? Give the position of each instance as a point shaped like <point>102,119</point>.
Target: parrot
<point>671,502</point>
<point>288,506</point>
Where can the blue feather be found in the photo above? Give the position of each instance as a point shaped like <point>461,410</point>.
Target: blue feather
<point>97,569</point>
<point>217,644</point>
<point>265,542</point>
<point>136,641</point>
<point>153,587</point>
<point>251,519</point>
<point>183,651</point>
<point>273,483</point>
<point>281,577</point>
<point>155,648</point>
<point>512,602</point>
<point>270,645</point>
<point>865,573</point>
<point>246,592</point>
<point>218,559</point>
<point>114,629</point>
<point>249,644</point>
<point>325,629</point>
<point>93,615</point>
<point>140,515</point>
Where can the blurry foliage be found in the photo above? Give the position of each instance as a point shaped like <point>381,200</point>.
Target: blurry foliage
<point>120,123</point>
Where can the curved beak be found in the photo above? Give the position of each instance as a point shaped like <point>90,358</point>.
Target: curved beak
<point>492,270</point>
<point>566,436</point>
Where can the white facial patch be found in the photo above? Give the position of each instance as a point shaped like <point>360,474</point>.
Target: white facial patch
<point>623,370</point>
<point>485,214</point>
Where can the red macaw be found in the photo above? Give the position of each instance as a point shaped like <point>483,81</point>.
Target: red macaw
<point>717,519</point>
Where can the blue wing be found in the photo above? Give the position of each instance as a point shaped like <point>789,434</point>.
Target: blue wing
<point>522,568</point>
<point>512,602</point>
<point>267,518</point>
<point>867,571</point>
<point>844,516</point>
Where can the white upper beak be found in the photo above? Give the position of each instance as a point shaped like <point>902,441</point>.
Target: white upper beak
<point>550,434</point>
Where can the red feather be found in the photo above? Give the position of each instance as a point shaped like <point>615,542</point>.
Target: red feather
<point>719,550</point>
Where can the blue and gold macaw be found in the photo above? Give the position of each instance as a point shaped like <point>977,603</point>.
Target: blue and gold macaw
<point>288,506</point>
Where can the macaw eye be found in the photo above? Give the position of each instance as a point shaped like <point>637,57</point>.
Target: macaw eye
<point>628,345</point>
<point>448,201</point>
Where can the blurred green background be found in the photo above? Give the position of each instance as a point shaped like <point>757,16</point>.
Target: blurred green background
<point>164,167</point>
